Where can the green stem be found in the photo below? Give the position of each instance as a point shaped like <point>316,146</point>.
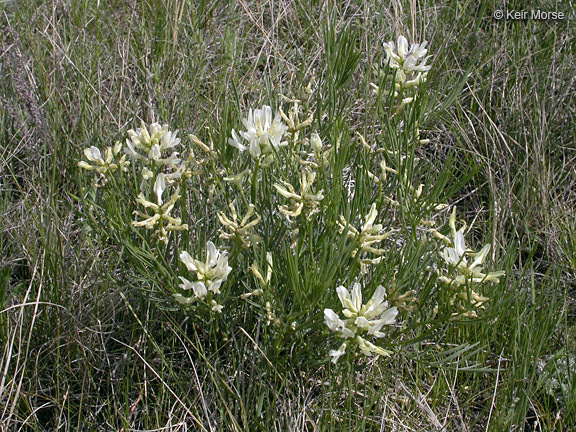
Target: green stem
<point>254,178</point>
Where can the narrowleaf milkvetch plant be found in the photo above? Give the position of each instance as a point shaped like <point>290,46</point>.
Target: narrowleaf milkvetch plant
<point>94,337</point>
<point>285,149</point>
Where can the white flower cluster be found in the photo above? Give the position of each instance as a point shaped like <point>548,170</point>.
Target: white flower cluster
<point>305,202</point>
<point>161,211</point>
<point>263,134</point>
<point>107,164</point>
<point>362,320</point>
<point>162,167</point>
<point>409,63</point>
<point>239,230</point>
<point>210,275</point>
<point>463,276</point>
<point>151,143</point>
<point>367,236</point>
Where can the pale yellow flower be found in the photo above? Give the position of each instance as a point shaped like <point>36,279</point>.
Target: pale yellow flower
<point>368,348</point>
<point>154,147</point>
<point>367,236</point>
<point>265,282</point>
<point>237,178</point>
<point>336,354</point>
<point>293,118</point>
<point>463,276</point>
<point>305,202</point>
<point>457,255</point>
<point>161,211</point>
<point>240,230</point>
<point>319,157</point>
<point>154,138</point>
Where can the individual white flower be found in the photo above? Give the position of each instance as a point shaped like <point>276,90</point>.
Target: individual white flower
<point>154,153</point>
<point>198,288</point>
<point>184,300</point>
<point>316,142</point>
<point>147,174</point>
<point>351,300</point>
<point>361,319</point>
<point>336,354</point>
<point>169,140</point>
<point>215,307</point>
<point>263,134</point>
<point>368,348</point>
<point>236,141</point>
<point>335,324</point>
<point>455,256</point>
<point>159,187</point>
<point>93,154</point>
